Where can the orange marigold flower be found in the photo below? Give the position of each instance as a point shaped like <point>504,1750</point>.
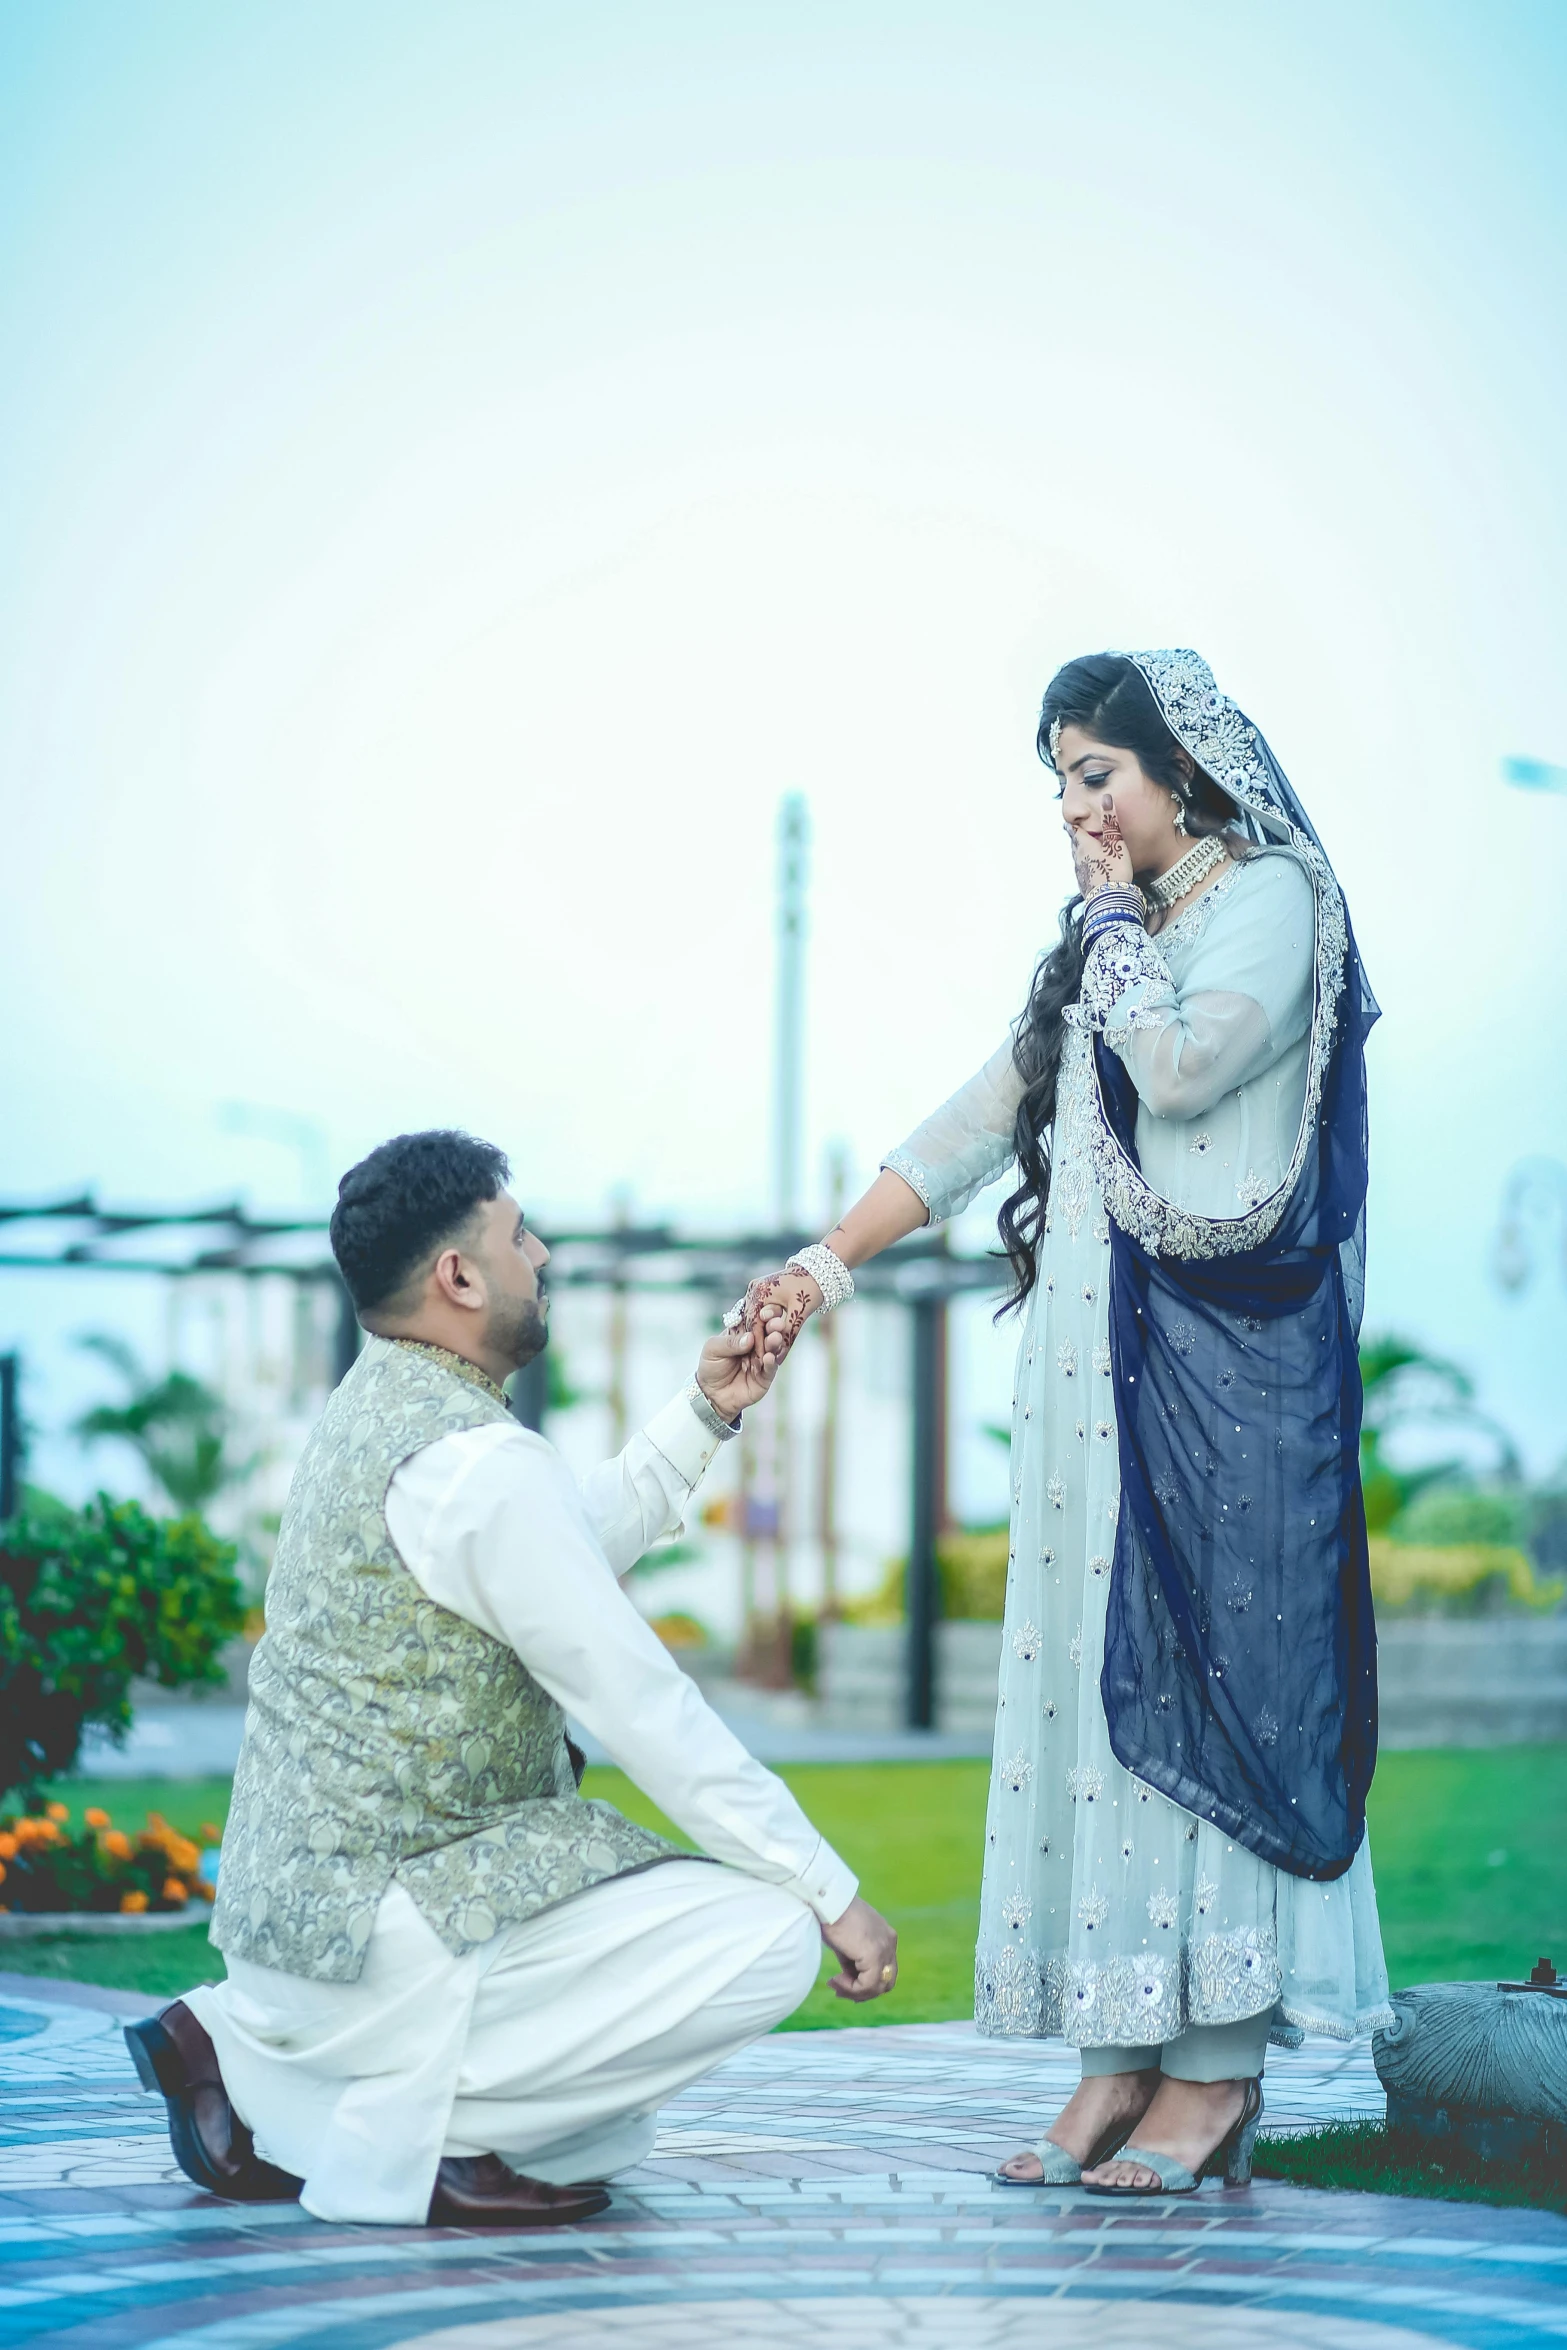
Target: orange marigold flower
<point>174,1890</point>
<point>59,1811</point>
<point>157,1823</point>
<point>204,1891</point>
<point>211,1832</point>
<point>2,1872</point>
<point>117,1844</point>
<point>185,1856</point>
<point>7,1848</point>
<point>96,1818</point>
<point>133,1903</point>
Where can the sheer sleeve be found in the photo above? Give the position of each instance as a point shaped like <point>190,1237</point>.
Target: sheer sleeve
<point>958,1149</point>
<point>1245,998</point>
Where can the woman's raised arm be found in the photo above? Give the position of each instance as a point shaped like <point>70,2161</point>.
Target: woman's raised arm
<point>888,1211</point>
<point>934,1174</point>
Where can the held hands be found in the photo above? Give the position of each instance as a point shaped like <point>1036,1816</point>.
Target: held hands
<point>868,1947</point>
<point>1105,862</point>
<point>739,1364</point>
<point>737,1367</point>
<point>779,1306</point>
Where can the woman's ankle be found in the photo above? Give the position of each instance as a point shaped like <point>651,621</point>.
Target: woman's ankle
<point>1192,2119</point>
<point>1099,2100</point>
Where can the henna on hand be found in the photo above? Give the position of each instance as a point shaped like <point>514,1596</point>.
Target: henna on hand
<point>778,1301</point>
<point>1105,863</point>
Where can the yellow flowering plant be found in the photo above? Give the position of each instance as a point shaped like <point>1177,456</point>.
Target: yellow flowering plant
<point>1460,1578</point>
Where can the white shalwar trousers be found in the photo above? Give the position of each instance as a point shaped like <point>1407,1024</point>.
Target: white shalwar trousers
<point>552,2046</point>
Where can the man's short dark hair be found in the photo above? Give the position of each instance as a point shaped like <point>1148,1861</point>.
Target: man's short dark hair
<point>396,1208</point>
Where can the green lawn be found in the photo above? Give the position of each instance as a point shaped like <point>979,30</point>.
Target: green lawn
<point>1369,2159</point>
<point>913,1833</point>
<point>1470,1860</point>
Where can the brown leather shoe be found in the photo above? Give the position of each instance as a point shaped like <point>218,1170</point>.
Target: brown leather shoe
<point>176,2060</point>
<point>481,2191</point>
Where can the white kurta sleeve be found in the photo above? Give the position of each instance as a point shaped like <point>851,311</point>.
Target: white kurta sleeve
<point>640,1496</point>
<point>958,1149</point>
<point>492,1525</point>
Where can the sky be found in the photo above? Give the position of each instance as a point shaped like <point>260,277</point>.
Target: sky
<point>462,466</point>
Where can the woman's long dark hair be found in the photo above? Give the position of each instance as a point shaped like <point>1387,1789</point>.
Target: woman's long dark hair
<point>1110,699</point>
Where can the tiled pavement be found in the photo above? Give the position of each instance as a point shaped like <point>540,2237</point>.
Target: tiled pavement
<point>823,2181</point>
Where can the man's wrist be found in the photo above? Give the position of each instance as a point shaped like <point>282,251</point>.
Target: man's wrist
<point>827,1885</point>
<point>709,1414</point>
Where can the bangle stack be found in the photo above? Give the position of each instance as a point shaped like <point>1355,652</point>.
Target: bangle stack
<point>1109,907</point>
<point>829,1272</point>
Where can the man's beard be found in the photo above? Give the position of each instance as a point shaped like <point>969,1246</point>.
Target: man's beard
<point>521,1331</point>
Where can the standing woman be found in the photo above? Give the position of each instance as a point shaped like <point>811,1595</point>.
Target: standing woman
<point>1175,1858</point>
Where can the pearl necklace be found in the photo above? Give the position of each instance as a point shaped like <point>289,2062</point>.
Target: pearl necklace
<point>1198,862</point>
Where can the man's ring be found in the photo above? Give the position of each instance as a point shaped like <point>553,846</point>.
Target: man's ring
<point>887,1973</point>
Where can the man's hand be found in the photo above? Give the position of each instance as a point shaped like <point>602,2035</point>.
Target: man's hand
<point>737,1367</point>
<point>868,1947</point>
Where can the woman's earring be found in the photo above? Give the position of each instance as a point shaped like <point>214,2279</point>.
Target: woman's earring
<point>1180,813</point>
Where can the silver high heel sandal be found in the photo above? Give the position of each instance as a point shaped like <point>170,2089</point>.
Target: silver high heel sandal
<point>1233,2153</point>
<point>1056,2167</point>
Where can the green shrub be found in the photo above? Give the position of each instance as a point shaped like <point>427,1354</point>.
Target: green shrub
<point>804,1651</point>
<point>1445,1514</point>
<point>971,1570</point>
<point>91,1600</point>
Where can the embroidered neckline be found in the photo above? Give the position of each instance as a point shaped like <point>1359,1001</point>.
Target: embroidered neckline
<point>459,1365</point>
<point>1156,1223</point>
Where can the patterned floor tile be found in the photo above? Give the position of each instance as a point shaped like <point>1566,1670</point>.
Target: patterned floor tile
<point>822,2181</point>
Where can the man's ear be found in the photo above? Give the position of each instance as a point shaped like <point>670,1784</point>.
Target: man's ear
<point>458,1280</point>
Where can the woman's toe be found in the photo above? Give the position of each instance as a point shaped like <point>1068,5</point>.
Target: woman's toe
<point>1025,2167</point>
<point>1117,2174</point>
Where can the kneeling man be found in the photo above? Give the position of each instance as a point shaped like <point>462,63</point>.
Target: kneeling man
<point>458,1991</point>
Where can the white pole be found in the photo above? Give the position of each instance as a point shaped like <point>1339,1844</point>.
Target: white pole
<point>794,848</point>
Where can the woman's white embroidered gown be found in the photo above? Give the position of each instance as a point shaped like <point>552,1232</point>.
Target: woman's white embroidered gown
<point>1110,1916</point>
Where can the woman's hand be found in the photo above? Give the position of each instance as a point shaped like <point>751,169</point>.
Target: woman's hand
<point>779,1306</point>
<point>1100,855</point>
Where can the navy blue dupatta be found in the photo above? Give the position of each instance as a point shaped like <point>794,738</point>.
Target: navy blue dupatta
<point>1239,1672</point>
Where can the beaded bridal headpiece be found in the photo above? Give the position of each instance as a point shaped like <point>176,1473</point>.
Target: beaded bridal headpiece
<point>1216,731</point>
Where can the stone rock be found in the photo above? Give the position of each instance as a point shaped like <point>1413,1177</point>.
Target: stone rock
<point>1474,2063</point>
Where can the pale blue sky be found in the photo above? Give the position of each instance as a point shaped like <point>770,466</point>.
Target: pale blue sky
<point>461,465</point>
